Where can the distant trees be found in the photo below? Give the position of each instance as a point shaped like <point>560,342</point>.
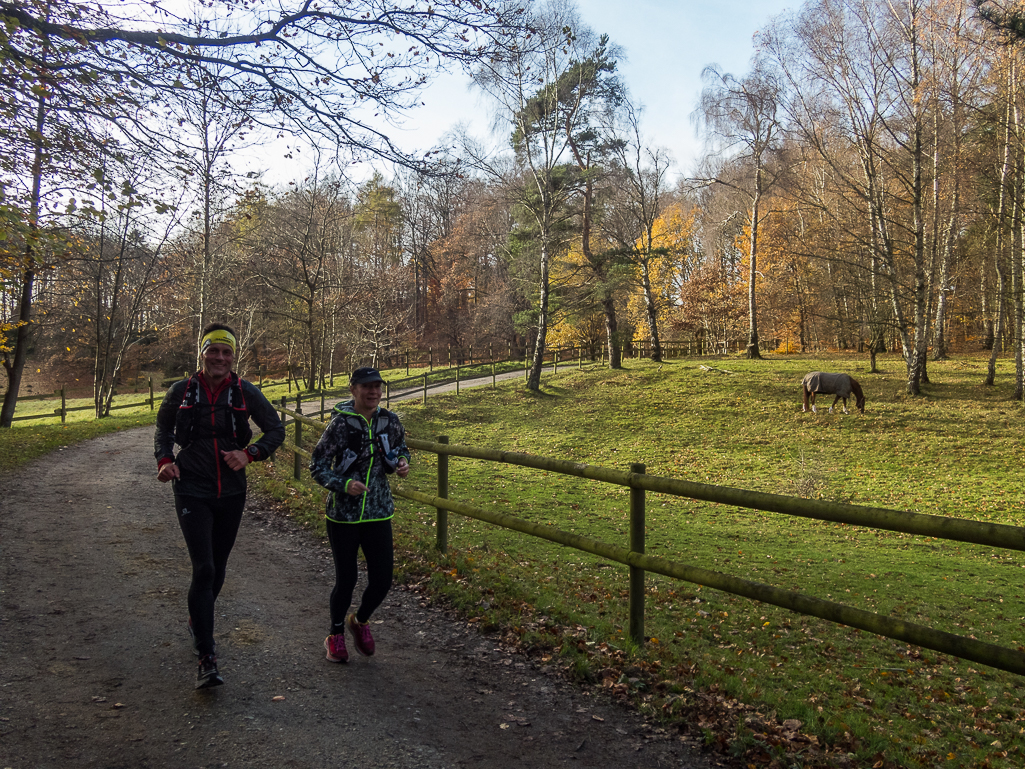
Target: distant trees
<point>865,193</point>
<point>79,76</point>
<point>743,114</point>
<point>640,226</point>
<point>536,90</point>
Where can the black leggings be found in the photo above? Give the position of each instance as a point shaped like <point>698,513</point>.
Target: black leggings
<point>375,539</point>
<point>209,527</point>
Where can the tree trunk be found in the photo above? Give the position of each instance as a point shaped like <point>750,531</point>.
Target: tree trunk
<point>534,377</point>
<point>15,367</point>
<point>651,312</point>
<point>752,305</point>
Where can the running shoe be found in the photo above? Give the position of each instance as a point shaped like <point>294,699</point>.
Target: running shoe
<point>208,675</point>
<point>335,645</point>
<point>361,638</point>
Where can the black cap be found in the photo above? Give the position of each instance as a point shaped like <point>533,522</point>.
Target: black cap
<point>365,375</point>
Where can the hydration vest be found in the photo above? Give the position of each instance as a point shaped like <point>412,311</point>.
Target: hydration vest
<point>187,427</point>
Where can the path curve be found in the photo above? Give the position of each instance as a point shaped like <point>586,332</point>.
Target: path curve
<point>96,669</point>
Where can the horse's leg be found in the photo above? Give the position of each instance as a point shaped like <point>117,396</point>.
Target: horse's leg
<point>845,411</point>
<point>835,400</point>
<point>804,395</point>
<point>813,409</point>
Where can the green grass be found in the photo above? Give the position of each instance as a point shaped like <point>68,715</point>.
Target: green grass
<point>30,439</point>
<point>710,655</point>
<point>768,686</point>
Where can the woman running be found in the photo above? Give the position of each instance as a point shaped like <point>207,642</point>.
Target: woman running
<point>358,449</point>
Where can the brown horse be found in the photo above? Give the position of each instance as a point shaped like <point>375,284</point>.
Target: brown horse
<point>840,385</point>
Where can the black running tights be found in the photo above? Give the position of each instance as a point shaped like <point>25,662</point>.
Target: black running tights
<point>375,539</point>
<point>209,527</point>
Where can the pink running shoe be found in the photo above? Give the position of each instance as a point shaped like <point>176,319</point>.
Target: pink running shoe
<point>361,638</point>
<point>335,645</point>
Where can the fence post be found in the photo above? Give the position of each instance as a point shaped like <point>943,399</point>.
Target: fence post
<point>442,536</point>
<point>297,466</point>
<point>321,414</point>
<point>284,404</point>
<point>580,358</point>
<point>555,360</point>
<point>637,546</point>
<point>457,379</point>
<point>64,405</point>
<point>387,388</point>
<point>430,352</point>
<point>425,388</point>
<point>407,362</point>
<point>151,393</point>
<point>259,373</point>
<point>493,386</point>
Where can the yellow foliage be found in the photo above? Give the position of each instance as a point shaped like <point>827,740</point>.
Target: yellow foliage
<point>672,232</point>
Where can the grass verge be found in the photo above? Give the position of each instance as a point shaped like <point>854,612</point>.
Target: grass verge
<point>760,684</point>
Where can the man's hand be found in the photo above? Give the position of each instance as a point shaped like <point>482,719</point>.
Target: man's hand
<point>355,488</point>
<point>402,469</point>
<point>236,460</point>
<point>168,472</point>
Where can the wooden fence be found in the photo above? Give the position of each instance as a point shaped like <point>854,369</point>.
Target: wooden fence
<point>64,409</point>
<point>466,366</point>
<point>635,348</point>
<point>954,529</point>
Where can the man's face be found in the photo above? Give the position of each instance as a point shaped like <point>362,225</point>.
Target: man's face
<point>217,360</point>
<point>367,396</point>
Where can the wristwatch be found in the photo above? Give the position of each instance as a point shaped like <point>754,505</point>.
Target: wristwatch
<point>253,452</point>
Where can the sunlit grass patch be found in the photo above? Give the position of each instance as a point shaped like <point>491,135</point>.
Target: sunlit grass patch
<point>853,692</point>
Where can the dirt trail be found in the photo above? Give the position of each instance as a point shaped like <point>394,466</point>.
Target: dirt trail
<point>96,669</point>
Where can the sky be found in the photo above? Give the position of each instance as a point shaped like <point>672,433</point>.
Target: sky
<point>667,44</point>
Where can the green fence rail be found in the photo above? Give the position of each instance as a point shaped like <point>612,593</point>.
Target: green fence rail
<point>954,529</point>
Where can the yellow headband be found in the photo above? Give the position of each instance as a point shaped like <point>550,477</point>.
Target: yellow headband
<point>219,336</point>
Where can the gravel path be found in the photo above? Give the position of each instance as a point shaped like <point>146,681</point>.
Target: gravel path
<point>96,668</point>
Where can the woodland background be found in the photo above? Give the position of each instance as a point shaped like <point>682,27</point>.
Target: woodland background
<point>863,189</point>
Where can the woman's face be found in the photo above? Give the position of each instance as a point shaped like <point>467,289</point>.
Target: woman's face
<point>217,360</point>
<point>367,397</point>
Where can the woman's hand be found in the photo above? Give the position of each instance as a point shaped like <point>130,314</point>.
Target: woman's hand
<point>402,469</point>
<point>355,488</point>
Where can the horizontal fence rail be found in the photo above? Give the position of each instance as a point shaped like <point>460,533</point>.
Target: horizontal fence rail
<point>948,643</point>
<point>958,529</point>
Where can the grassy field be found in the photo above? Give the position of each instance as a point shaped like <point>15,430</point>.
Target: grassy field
<point>766,686</point>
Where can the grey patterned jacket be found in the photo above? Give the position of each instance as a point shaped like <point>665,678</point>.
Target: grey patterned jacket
<point>352,447</point>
